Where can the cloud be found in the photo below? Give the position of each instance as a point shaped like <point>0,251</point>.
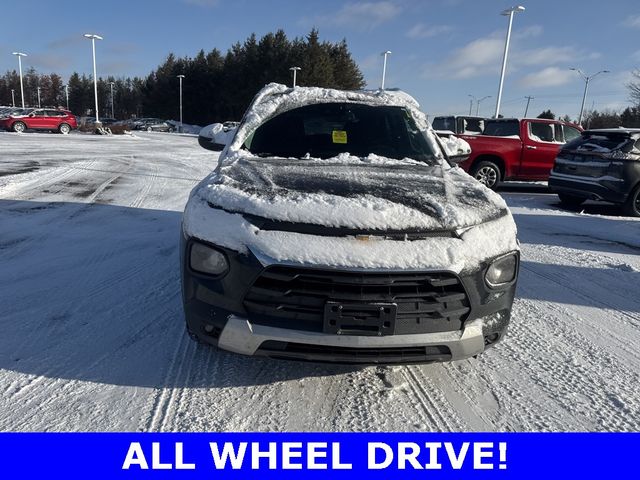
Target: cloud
<point>632,21</point>
<point>423,31</point>
<point>359,15</point>
<point>483,56</point>
<point>476,58</point>
<point>202,3</point>
<point>121,48</point>
<point>528,32</point>
<point>66,41</point>
<point>50,62</point>
<point>547,77</point>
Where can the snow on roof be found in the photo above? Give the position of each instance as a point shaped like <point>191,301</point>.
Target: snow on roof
<point>276,98</point>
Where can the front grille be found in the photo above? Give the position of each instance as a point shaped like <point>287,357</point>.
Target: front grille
<point>333,354</point>
<point>426,302</point>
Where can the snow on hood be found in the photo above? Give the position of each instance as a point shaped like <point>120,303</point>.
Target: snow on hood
<point>457,254</point>
<point>374,193</point>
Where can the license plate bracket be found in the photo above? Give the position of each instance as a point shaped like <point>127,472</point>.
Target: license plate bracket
<point>360,318</point>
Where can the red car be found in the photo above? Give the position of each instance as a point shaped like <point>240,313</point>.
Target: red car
<point>512,149</point>
<point>60,121</point>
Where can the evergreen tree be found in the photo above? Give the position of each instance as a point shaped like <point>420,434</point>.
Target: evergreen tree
<point>548,114</point>
<point>216,87</point>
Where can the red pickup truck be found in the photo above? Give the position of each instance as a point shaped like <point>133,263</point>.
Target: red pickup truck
<point>512,149</point>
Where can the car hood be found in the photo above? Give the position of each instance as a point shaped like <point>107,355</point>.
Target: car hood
<point>372,194</point>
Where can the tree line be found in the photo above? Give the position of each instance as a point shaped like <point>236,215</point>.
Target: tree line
<point>216,87</point>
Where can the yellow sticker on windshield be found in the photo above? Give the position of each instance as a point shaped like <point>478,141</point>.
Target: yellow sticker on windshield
<point>339,136</point>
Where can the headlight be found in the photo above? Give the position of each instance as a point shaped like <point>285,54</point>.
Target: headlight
<point>208,260</point>
<point>502,270</point>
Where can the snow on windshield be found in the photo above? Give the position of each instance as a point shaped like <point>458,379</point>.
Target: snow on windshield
<point>276,98</point>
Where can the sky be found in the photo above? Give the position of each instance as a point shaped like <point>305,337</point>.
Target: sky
<point>443,51</point>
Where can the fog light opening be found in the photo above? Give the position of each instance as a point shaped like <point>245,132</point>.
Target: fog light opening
<point>489,339</point>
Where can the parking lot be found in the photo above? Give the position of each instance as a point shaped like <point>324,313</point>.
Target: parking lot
<point>93,336</point>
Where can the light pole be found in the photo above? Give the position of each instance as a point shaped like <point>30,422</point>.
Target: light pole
<point>384,67</point>
<point>508,12</point>
<point>93,39</point>
<point>478,101</point>
<point>295,71</point>
<point>478,104</point>
<point>20,55</point>
<point>587,79</point>
<point>13,98</point>
<point>526,110</point>
<point>113,115</point>
<point>180,77</point>
<point>471,100</point>
<point>66,89</point>
<point>38,89</point>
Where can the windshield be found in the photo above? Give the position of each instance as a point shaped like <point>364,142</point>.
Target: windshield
<point>502,128</point>
<point>326,130</point>
<point>444,123</point>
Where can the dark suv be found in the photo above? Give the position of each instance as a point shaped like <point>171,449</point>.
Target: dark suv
<point>600,165</point>
<point>335,228</point>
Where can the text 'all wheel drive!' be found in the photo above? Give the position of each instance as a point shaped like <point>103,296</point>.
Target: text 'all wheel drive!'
<point>361,237</point>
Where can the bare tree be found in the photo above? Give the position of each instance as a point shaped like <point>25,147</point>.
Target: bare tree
<point>634,87</point>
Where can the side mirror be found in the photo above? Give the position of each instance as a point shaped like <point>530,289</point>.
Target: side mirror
<point>459,158</point>
<point>216,136</point>
<point>209,144</point>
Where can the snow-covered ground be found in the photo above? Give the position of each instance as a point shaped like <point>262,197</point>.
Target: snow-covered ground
<point>91,328</point>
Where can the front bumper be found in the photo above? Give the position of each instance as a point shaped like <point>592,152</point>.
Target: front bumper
<point>241,336</point>
<point>218,313</point>
<point>608,189</point>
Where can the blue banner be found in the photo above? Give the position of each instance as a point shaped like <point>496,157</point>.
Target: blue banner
<point>268,456</point>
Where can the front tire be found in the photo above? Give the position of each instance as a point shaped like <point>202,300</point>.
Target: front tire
<point>19,127</point>
<point>64,129</point>
<point>487,173</point>
<point>632,206</point>
<point>570,201</point>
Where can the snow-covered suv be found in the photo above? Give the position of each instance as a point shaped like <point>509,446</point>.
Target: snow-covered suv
<point>335,228</point>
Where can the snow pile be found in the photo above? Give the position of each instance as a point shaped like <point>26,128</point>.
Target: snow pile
<point>186,128</point>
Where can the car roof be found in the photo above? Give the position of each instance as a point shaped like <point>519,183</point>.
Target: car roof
<point>621,130</point>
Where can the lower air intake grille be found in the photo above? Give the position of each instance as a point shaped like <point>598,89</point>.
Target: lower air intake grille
<point>320,353</point>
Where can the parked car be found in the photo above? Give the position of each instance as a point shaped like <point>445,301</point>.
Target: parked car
<point>600,165</point>
<point>15,111</point>
<point>512,149</point>
<point>153,125</point>
<point>336,229</point>
<point>459,125</point>
<point>60,121</point>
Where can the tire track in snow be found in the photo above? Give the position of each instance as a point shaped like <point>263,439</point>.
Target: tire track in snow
<point>162,396</point>
<point>430,399</point>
